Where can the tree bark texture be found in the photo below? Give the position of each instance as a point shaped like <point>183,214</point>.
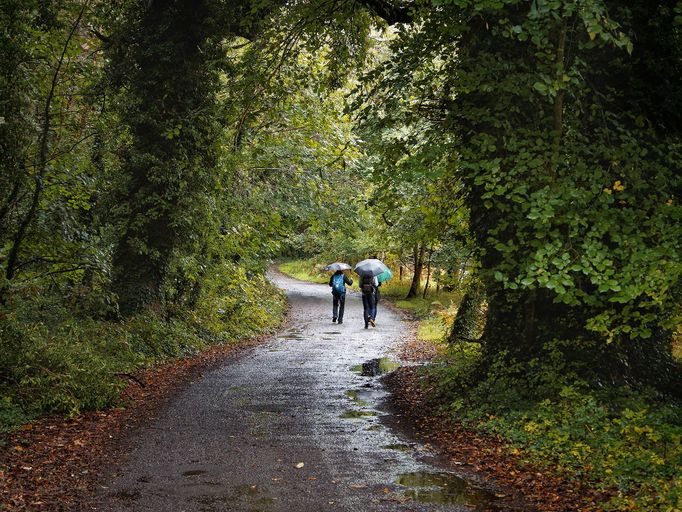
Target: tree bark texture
<point>418,254</point>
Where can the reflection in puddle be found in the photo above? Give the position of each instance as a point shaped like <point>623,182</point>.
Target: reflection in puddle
<point>445,488</point>
<point>375,367</point>
<point>357,414</point>
<point>354,395</point>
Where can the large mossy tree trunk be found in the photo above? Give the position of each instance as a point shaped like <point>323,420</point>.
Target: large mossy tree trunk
<point>524,146</point>
<point>164,58</point>
<point>469,314</point>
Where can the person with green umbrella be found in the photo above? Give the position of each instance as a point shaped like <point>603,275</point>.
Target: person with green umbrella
<point>369,271</point>
<point>369,286</point>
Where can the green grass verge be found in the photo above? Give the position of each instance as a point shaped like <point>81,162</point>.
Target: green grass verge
<point>305,270</point>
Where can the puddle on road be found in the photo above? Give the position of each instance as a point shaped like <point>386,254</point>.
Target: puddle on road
<point>398,446</point>
<point>445,489</point>
<point>194,472</point>
<point>127,494</point>
<point>375,367</point>
<point>355,396</point>
<point>357,414</point>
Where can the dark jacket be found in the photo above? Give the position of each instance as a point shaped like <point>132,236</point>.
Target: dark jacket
<point>346,280</point>
<point>374,284</point>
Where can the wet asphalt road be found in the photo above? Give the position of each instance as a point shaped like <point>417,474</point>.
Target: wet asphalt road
<point>289,426</point>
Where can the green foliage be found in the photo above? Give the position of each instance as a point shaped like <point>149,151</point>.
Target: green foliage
<point>614,438</point>
<point>11,415</point>
<point>569,173</point>
<point>58,363</point>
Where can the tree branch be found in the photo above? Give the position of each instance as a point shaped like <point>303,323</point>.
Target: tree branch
<point>388,11</point>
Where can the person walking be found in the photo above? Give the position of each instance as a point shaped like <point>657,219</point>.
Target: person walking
<point>338,282</point>
<point>368,286</point>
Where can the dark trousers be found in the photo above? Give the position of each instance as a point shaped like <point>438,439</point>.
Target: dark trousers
<point>369,306</point>
<point>338,305</point>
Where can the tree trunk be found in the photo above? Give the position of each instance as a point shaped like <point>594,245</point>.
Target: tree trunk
<point>468,316</point>
<point>169,161</point>
<point>418,252</point>
<point>428,273</point>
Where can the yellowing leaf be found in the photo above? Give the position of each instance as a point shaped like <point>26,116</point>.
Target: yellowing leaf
<point>299,465</point>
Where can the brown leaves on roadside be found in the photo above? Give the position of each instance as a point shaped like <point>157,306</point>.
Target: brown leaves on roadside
<point>486,455</point>
<point>54,463</point>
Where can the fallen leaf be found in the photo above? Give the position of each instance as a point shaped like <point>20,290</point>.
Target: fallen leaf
<point>299,465</point>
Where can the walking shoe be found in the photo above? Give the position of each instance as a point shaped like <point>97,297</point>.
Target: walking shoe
<point>371,321</point>
<point>333,320</point>
<point>340,321</point>
<point>366,326</point>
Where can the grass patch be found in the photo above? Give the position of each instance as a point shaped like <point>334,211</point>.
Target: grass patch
<point>432,329</point>
<point>305,270</point>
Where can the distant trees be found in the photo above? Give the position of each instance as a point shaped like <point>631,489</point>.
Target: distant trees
<point>143,141</point>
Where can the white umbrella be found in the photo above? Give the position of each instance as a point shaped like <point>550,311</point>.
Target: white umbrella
<point>338,266</point>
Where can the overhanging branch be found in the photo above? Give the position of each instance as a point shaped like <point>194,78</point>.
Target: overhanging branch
<point>389,11</point>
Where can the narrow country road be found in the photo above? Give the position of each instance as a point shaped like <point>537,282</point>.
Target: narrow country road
<point>292,425</point>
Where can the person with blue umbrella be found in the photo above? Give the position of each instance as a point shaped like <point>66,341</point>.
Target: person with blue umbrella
<point>338,282</point>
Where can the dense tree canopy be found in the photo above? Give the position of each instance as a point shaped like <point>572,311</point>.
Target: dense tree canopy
<point>158,155</point>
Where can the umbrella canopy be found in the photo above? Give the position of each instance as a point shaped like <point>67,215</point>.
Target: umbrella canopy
<point>370,267</point>
<point>385,276</point>
<point>338,266</point>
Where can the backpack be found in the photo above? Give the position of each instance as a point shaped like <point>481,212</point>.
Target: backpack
<point>338,285</point>
<point>367,285</point>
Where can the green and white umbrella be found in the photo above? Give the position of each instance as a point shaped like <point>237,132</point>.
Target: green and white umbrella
<point>385,276</point>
